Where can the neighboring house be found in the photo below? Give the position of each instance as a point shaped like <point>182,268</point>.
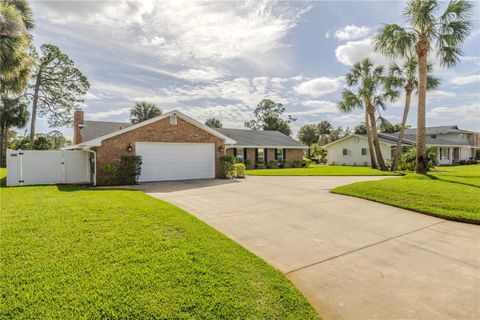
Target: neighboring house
<point>173,146</point>
<point>453,146</point>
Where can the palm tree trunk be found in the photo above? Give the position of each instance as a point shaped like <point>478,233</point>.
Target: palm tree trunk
<point>3,147</point>
<point>34,107</point>
<point>376,143</point>
<point>373,163</point>
<point>421,48</point>
<point>398,148</point>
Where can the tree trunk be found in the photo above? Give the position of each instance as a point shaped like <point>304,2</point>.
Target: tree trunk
<point>421,48</point>
<point>398,148</point>
<point>373,163</point>
<point>376,143</point>
<point>3,146</point>
<point>34,107</point>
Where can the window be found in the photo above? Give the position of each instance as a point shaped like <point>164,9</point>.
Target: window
<point>261,154</point>
<point>444,153</point>
<point>173,120</point>
<point>346,152</point>
<point>239,154</point>
<point>279,155</point>
<point>364,152</point>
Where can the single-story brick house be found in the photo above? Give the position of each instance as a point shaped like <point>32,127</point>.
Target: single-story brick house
<point>174,146</point>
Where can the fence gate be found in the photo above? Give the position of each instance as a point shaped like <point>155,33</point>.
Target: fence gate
<point>29,167</point>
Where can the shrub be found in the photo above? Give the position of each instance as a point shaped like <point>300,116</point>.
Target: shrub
<point>407,160</point>
<point>239,170</point>
<point>308,163</point>
<point>273,164</point>
<point>248,163</point>
<point>297,163</point>
<point>260,164</point>
<point>129,169</point>
<point>109,175</point>
<point>228,168</point>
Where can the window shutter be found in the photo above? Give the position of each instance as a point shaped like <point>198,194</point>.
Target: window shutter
<point>256,155</point>
<point>265,157</point>
<point>276,156</point>
<point>235,152</point>
<point>284,154</point>
<point>244,154</point>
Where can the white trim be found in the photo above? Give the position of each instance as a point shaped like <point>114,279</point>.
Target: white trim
<point>265,147</point>
<point>98,141</point>
<point>355,135</point>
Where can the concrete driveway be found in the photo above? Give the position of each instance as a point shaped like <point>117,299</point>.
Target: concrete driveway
<point>351,258</point>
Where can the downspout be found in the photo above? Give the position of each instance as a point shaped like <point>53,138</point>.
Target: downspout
<point>94,166</point>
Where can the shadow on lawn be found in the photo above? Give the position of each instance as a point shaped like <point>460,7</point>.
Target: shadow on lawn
<point>453,181</point>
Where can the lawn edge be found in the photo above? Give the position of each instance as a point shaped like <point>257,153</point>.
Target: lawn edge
<point>432,214</point>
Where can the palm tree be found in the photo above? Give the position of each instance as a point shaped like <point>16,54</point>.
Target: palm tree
<point>13,113</point>
<point>406,76</point>
<point>371,93</point>
<point>16,20</point>
<point>142,111</point>
<point>324,128</point>
<point>427,31</point>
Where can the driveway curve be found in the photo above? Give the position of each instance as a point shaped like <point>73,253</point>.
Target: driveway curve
<point>351,258</point>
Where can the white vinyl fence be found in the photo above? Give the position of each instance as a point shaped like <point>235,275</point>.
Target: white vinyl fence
<point>29,167</point>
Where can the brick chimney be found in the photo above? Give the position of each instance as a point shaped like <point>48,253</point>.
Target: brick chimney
<point>77,123</point>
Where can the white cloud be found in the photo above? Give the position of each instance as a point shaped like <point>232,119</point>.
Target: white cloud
<point>352,32</point>
<point>439,95</point>
<point>186,33</point>
<point>105,115</point>
<point>320,106</point>
<point>463,80</point>
<point>318,87</point>
<point>464,115</point>
<point>154,41</point>
<point>355,51</point>
<point>207,73</point>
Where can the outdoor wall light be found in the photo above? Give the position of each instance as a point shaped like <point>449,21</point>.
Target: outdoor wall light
<point>129,148</point>
<point>220,149</point>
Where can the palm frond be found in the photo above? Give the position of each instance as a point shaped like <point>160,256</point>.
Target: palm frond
<point>349,102</point>
<point>394,41</point>
<point>421,15</point>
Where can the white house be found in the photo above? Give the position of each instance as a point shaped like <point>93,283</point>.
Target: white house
<point>453,146</point>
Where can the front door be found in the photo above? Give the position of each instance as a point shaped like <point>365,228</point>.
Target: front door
<point>456,155</point>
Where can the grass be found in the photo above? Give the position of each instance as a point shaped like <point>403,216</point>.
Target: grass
<point>321,170</point>
<point>69,252</point>
<point>448,192</point>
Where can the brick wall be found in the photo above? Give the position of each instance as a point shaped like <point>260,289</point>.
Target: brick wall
<point>294,154</point>
<point>160,131</point>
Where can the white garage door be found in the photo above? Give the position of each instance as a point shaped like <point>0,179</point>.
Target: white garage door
<point>176,161</point>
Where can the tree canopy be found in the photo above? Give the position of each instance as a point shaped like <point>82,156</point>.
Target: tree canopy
<point>57,87</point>
<point>142,111</point>
<point>308,134</point>
<point>16,22</point>
<point>268,116</point>
<point>213,123</point>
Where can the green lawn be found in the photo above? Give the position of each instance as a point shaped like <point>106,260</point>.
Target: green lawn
<point>69,252</point>
<point>448,192</point>
<point>322,170</point>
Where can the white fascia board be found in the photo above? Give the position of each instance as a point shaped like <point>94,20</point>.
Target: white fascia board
<point>267,147</point>
<point>98,141</point>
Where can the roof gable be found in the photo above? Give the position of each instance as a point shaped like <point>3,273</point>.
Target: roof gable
<point>98,140</point>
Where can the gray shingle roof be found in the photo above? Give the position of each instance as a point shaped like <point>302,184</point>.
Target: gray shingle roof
<point>94,129</point>
<point>411,138</point>
<point>252,138</point>
<point>438,130</point>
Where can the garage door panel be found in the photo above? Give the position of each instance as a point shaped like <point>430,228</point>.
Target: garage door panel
<point>176,161</point>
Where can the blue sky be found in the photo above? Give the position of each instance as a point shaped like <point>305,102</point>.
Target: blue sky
<point>219,59</point>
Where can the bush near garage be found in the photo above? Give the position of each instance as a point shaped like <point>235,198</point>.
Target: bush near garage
<point>239,170</point>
